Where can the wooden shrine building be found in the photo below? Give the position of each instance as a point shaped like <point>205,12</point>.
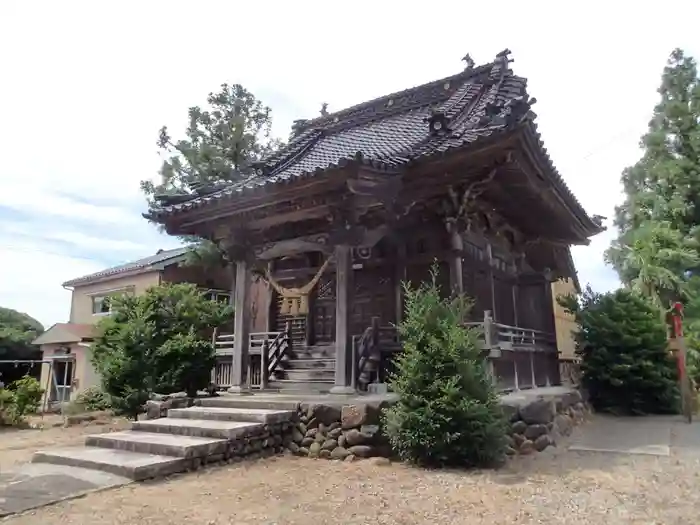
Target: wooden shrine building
<point>367,197</point>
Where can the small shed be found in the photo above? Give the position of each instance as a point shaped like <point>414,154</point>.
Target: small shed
<point>67,367</point>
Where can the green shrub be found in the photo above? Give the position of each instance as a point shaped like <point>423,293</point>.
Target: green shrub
<point>625,363</point>
<point>23,397</point>
<point>7,407</point>
<point>28,394</point>
<point>159,341</point>
<point>448,411</point>
<point>93,399</point>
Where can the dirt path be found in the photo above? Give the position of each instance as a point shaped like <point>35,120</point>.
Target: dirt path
<point>555,487</point>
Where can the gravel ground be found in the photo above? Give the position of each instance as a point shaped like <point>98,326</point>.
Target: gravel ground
<point>17,446</point>
<point>555,487</point>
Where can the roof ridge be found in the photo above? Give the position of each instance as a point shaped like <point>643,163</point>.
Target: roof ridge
<point>328,119</point>
<point>130,266</point>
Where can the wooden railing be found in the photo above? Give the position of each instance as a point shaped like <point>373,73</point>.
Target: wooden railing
<point>518,357</point>
<point>266,352</point>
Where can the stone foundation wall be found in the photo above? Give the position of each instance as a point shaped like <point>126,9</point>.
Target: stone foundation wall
<point>541,422</point>
<point>538,418</point>
<point>261,441</point>
<point>340,432</point>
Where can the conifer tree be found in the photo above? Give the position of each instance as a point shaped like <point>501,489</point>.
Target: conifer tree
<point>626,366</point>
<point>448,411</point>
<point>659,220</point>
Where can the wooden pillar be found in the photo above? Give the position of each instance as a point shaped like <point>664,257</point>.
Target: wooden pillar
<point>269,296</point>
<point>343,338</point>
<point>399,279</point>
<point>514,294</point>
<point>492,284</point>
<point>549,324</point>
<point>456,247</point>
<point>241,329</point>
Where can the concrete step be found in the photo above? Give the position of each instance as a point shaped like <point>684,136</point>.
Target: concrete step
<point>227,413</point>
<point>318,352</point>
<point>159,444</point>
<point>301,387</point>
<point>313,374</point>
<point>197,427</point>
<point>310,363</point>
<point>250,402</point>
<point>132,465</point>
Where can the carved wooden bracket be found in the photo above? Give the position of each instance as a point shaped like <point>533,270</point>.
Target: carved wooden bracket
<point>307,243</point>
<point>235,243</point>
<point>461,207</point>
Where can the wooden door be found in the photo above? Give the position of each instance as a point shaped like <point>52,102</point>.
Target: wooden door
<point>373,295</point>
<point>323,311</point>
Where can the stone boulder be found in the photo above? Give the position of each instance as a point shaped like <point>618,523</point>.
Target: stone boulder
<point>542,442</point>
<point>519,427</point>
<point>567,400</point>
<point>323,414</point>
<point>355,437</point>
<point>563,424</point>
<point>540,411</point>
<point>353,416</point>
<point>510,409</point>
<point>534,431</point>
<point>362,451</point>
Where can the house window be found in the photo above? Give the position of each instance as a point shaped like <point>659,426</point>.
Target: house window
<point>218,296</point>
<point>100,304</point>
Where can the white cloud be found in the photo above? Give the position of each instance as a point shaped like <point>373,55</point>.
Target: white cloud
<point>86,86</point>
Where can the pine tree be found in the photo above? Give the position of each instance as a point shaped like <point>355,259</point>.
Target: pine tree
<point>448,411</point>
<point>626,366</point>
<point>221,143</point>
<point>662,204</point>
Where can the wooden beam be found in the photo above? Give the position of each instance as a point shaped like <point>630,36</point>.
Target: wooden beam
<point>289,217</point>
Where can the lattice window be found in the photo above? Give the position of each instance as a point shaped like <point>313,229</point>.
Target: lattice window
<point>326,288</point>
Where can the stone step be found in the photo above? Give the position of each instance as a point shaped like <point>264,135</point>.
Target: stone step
<point>132,465</point>
<point>318,352</point>
<point>159,444</point>
<point>310,363</point>
<point>197,427</point>
<point>313,374</point>
<point>301,387</point>
<point>228,413</point>
<point>251,402</point>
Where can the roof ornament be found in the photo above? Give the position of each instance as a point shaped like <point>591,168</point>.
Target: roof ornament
<point>324,109</point>
<point>500,68</point>
<point>438,123</point>
<point>298,126</point>
<point>469,61</point>
<point>598,219</point>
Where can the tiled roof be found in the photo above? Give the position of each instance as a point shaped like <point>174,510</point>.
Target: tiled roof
<point>398,129</point>
<point>66,333</point>
<point>151,262</point>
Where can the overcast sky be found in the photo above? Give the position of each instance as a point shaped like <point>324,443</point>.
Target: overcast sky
<point>85,86</point>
